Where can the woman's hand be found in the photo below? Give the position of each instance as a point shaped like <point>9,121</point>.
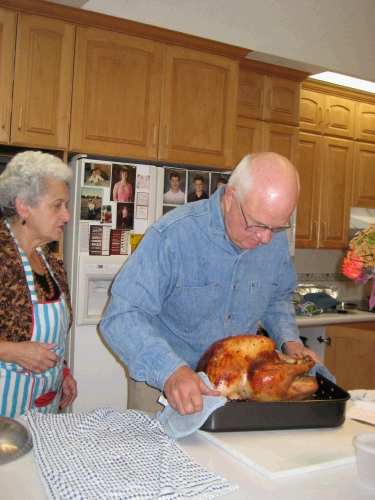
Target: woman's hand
<point>35,357</point>
<point>69,391</point>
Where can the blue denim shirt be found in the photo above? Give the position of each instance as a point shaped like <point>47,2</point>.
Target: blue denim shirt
<point>187,285</point>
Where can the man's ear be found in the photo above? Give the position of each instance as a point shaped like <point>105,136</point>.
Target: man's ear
<point>22,208</point>
<point>229,197</point>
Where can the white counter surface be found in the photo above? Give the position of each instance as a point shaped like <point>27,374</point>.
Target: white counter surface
<point>333,318</point>
<point>20,479</point>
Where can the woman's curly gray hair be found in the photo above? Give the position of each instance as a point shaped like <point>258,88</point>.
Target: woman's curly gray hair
<point>27,176</point>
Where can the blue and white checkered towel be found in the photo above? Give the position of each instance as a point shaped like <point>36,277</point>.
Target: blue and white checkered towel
<point>116,455</point>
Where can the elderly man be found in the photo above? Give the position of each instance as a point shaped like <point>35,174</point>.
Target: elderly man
<point>205,271</point>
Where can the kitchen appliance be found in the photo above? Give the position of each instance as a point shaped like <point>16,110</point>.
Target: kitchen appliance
<point>15,440</point>
<point>325,409</point>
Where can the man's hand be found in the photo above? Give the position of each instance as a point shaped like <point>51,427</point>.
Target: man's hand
<point>69,391</point>
<point>35,357</point>
<point>184,389</point>
<point>296,350</point>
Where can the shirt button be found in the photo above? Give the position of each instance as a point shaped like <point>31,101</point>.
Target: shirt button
<point>234,286</point>
<point>229,316</point>
<point>252,284</point>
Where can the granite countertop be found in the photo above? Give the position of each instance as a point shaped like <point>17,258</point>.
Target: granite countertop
<point>333,317</point>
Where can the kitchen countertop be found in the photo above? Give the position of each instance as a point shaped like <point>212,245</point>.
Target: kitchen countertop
<point>331,318</point>
<point>20,478</point>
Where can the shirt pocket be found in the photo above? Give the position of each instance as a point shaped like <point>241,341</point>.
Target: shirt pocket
<point>190,308</point>
<point>260,297</point>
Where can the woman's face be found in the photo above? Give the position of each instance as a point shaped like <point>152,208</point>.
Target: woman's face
<point>47,220</point>
<point>124,175</point>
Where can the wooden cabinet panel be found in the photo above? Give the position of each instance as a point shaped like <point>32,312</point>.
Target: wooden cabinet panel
<point>8,21</point>
<point>310,174</point>
<point>250,94</point>
<point>363,194</point>
<point>198,121</point>
<point>327,114</point>
<point>350,357</point>
<point>336,193</point>
<point>282,100</point>
<point>365,122</point>
<point>311,112</point>
<point>116,94</point>
<point>281,139</point>
<point>339,116</point>
<point>249,137</point>
<point>42,82</point>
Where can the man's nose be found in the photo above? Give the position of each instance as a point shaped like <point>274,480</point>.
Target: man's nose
<point>265,236</point>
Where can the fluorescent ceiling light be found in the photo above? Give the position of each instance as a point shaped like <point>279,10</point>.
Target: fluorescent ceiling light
<point>345,81</point>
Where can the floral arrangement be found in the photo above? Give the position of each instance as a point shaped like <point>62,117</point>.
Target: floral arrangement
<point>359,263</point>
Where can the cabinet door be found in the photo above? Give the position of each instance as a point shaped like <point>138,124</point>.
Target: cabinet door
<point>281,139</point>
<point>339,116</point>
<point>42,82</point>
<point>116,94</point>
<point>250,95</point>
<point>336,193</point>
<point>350,357</point>
<point>8,21</point>
<point>249,137</point>
<point>282,100</point>
<point>310,174</point>
<point>365,122</point>
<point>311,112</point>
<point>364,175</point>
<point>198,122</point>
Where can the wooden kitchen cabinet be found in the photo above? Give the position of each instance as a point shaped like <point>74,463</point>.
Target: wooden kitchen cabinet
<point>325,169</point>
<point>249,137</point>
<point>138,98</point>
<point>269,98</point>
<point>327,114</point>
<point>282,139</point>
<point>198,117</point>
<point>40,112</point>
<point>350,355</point>
<point>8,22</point>
<point>365,122</point>
<point>116,94</point>
<point>363,193</point>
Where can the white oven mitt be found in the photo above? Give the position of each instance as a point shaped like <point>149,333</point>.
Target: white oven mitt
<point>177,426</point>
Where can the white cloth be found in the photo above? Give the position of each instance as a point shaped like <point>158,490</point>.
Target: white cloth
<point>363,407</point>
<point>116,455</point>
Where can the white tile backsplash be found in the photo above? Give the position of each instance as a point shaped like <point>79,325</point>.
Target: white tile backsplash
<point>325,267</point>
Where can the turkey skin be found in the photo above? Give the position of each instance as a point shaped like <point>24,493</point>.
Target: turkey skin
<point>249,367</point>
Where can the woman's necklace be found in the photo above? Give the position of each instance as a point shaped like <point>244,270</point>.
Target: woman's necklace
<point>50,294</point>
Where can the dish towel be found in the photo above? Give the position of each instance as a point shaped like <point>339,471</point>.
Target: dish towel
<point>105,455</point>
<point>177,426</point>
<point>322,370</point>
<point>363,407</point>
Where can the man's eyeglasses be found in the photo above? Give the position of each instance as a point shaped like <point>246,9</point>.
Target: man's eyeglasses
<point>255,228</point>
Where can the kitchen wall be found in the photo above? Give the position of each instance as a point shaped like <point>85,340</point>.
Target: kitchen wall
<point>324,267</point>
<point>310,35</point>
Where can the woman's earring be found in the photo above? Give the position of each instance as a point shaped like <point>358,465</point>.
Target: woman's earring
<point>23,222</point>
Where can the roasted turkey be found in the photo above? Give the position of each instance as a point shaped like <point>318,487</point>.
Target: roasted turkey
<point>248,367</point>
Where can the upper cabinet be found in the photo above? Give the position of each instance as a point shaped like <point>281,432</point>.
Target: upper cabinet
<point>365,122</point>
<point>141,99</point>
<point>8,22</point>
<point>40,112</point>
<point>198,117</point>
<point>327,114</point>
<point>116,94</point>
<point>268,97</point>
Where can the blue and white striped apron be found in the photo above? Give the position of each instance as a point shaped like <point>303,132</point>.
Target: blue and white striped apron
<point>20,388</point>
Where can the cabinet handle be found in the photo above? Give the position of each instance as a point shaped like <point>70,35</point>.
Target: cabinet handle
<point>154,135</point>
<point>324,230</point>
<point>320,115</point>
<point>4,115</point>
<point>328,116</point>
<point>166,136</point>
<point>20,120</point>
<point>314,231</point>
<point>261,98</point>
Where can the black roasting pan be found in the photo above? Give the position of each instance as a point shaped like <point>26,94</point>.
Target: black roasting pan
<point>326,408</point>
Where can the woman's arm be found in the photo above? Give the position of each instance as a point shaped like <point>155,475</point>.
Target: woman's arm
<point>115,192</point>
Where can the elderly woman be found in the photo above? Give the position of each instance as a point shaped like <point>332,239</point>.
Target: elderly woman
<point>35,309</point>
